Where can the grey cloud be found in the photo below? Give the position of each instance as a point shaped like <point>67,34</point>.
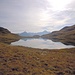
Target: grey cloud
<point>71,6</point>
<point>19,7</point>
<point>20,15</point>
<point>68,16</point>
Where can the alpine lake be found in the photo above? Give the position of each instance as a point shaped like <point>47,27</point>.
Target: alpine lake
<point>41,43</point>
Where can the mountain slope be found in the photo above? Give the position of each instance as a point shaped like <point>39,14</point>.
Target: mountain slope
<point>65,35</point>
<point>7,37</point>
<point>4,31</point>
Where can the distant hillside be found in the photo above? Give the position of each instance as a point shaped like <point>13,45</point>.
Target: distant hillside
<point>7,37</point>
<point>33,34</point>
<point>65,35</point>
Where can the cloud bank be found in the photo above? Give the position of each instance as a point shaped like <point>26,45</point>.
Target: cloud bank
<point>36,15</point>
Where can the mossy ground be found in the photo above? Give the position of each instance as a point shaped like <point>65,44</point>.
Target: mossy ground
<point>17,60</point>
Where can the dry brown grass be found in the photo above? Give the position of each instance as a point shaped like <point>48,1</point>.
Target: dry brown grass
<point>8,38</point>
<point>17,60</point>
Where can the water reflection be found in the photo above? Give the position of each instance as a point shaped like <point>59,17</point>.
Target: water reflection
<point>41,43</point>
<point>68,42</point>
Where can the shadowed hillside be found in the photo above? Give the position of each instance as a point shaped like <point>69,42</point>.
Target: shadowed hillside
<point>4,31</point>
<point>66,35</point>
<point>7,37</point>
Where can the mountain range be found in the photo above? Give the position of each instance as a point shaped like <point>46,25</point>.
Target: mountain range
<point>66,35</point>
<point>33,34</point>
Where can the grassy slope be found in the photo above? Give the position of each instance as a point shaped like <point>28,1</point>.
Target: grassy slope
<point>65,35</point>
<point>16,60</point>
<point>8,38</point>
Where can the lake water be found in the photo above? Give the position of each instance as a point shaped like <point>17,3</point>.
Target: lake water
<point>40,43</point>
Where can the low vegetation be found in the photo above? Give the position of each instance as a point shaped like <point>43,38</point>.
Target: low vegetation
<point>7,37</point>
<point>18,60</point>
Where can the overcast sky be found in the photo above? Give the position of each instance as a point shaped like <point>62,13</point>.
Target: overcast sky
<point>36,15</point>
